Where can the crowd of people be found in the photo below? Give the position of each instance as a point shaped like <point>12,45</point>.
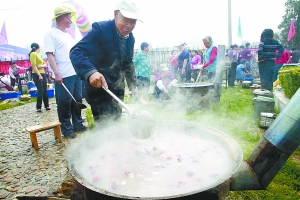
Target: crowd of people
<point>104,59</point>
<point>184,66</point>
<point>187,64</point>
<point>240,58</point>
<point>13,73</point>
<point>271,56</point>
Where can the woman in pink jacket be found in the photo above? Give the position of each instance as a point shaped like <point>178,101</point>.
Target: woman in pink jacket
<point>284,59</point>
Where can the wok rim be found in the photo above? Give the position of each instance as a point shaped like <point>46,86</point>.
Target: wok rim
<point>193,85</point>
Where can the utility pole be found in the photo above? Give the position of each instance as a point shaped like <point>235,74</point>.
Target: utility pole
<point>229,24</point>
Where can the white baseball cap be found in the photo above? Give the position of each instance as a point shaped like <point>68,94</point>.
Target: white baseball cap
<point>163,67</point>
<point>128,9</point>
<point>180,43</point>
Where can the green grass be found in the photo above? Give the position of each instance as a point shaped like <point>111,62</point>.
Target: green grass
<point>5,106</point>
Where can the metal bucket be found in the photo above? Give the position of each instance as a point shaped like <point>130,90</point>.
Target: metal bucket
<point>266,119</point>
<point>262,104</point>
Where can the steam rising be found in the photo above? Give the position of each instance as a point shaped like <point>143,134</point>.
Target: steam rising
<point>178,158</point>
<point>142,125</point>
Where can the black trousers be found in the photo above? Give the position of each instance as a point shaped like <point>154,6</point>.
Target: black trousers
<point>42,90</point>
<point>143,85</point>
<point>232,73</point>
<point>266,72</point>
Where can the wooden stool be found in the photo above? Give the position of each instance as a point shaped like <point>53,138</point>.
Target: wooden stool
<point>42,127</point>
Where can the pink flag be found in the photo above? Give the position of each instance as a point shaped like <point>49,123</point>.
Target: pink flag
<point>292,31</point>
<point>3,36</point>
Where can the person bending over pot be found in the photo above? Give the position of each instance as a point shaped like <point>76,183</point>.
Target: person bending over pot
<point>164,82</point>
<point>104,58</point>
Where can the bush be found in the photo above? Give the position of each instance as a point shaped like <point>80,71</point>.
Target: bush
<point>290,80</point>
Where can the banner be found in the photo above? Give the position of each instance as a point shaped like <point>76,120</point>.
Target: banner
<point>9,52</point>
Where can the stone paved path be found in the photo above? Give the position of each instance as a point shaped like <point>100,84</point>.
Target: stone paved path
<point>24,170</point>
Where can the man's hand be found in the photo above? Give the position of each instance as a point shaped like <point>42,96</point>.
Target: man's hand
<point>97,80</point>
<point>58,78</point>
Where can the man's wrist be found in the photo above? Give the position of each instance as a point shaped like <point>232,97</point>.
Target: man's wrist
<point>88,74</point>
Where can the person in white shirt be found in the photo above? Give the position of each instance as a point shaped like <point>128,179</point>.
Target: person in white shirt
<point>57,45</point>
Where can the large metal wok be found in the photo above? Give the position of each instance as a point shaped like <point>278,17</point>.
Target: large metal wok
<point>196,95</point>
<point>192,88</point>
<point>79,154</point>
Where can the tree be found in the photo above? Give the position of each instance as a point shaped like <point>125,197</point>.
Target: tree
<point>292,11</point>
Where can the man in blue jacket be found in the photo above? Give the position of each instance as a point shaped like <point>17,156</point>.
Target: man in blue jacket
<point>103,58</point>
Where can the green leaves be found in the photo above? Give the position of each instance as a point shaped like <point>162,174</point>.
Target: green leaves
<point>292,11</point>
<point>290,82</point>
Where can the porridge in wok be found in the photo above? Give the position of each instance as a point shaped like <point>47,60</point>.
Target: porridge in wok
<point>173,161</point>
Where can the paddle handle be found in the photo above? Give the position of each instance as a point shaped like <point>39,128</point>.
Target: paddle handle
<point>170,96</point>
<point>68,92</point>
<point>198,76</point>
<point>119,101</point>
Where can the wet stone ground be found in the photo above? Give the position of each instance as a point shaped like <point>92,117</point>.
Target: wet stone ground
<point>25,171</point>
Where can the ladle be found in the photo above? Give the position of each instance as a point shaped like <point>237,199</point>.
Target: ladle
<point>80,105</point>
<point>170,96</point>
<point>200,72</point>
<point>141,125</point>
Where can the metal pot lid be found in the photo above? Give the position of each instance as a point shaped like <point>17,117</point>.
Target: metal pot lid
<point>264,114</point>
<point>264,98</point>
<point>180,159</point>
<point>261,91</point>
